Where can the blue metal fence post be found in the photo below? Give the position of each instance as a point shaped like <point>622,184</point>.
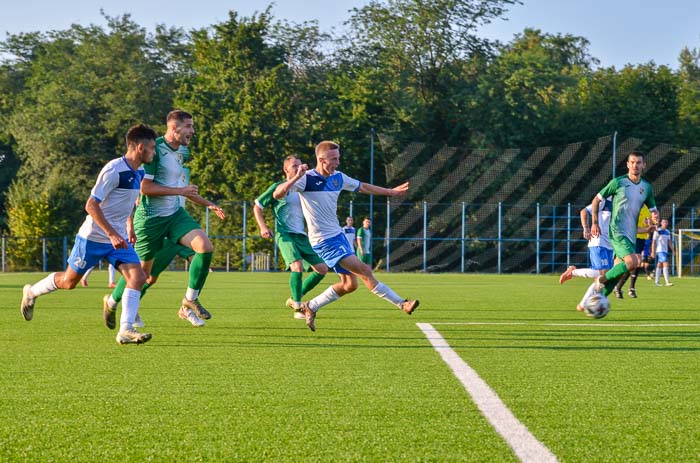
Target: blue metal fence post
<point>554,235</point>
<point>464,231</point>
<point>388,233</point>
<point>371,173</point>
<point>673,234</point>
<point>206,221</point>
<point>275,259</point>
<point>65,249</point>
<point>43,254</point>
<point>245,233</point>
<point>4,246</point>
<point>425,236</point>
<point>568,234</point>
<point>537,240</point>
<point>350,212</point>
<point>500,231</point>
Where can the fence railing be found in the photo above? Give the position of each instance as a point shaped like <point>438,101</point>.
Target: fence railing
<point>414,237</point>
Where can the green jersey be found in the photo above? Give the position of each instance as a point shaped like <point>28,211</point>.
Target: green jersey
<point>627,200</point>
<point>287,211</point>
<point>365,236</point>
<point>167,169</point>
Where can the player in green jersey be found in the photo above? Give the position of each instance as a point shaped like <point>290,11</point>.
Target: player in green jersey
<point>629,192</point>
<point>161,214</point>
<point>291,237</point>
<point>363,247</point>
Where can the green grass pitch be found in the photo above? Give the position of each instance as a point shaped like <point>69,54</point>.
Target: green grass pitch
<point>255,385</point>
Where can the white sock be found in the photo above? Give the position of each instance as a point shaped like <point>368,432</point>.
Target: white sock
<point>387,294</point>
<point>45,286</point>
<point>585,272</point>
<point>325,298</point>
<point>87,274</point>
<point>112,274</point>
<point>111,302</point>
<point>589,291</point>
<point>657,274</point>
<point>191,294</point>
<point>666,275</point>
<point>130,307</point>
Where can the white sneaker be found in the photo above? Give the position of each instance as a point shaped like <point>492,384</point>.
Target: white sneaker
<point>27,306</point>
<point>658,284</point>
<point>138,322</point>
<point>299,315</point>
<point>669,284</point>
<point>188,314</point>
<point>132,336</point>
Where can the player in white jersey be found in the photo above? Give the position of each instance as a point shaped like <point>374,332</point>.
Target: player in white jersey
<point>319,190</point>
<point>104,235</point>
<point>349,231</point>
<point>662,245</point>
<point>599,247</point>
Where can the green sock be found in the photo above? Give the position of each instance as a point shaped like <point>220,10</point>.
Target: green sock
<point>613,275</point>
<point>295,285</point>
<point>310,282</point>
<point>143,290</point>
<point>199,269</point>
<point>119,289</point>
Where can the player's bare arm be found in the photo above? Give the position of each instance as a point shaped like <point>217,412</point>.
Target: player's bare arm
<point>195,198</point>
<point>368,188</point>
<point>584,224</point>
<point>93,208</point>
<point>260,219</point>
<point>595,205</point>
<point>283,188</point>
<point>151,188</point>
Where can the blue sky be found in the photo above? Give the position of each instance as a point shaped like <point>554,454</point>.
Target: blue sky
<point>620,31</point>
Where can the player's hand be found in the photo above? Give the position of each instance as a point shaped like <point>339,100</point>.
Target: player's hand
<point>400,190</point>
<point>265,233</point>
<point>189,190</point>
<point>586,234</point>
<point>595,230</point>
<point>218,211</point>
<point>301,170</point>
<point>132,236</point>
<point>118,242</point>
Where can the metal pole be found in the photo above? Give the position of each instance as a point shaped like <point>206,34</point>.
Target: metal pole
<point>673,231</point>
<point>425,236</point>
<point>464,231</point>
<point>371,173</point>
<point>274,247</point>
<point>4,246</point>
<point>388,232</point>
<point>614,166</point>
<point>350,213</point>
<point>554,234</point>
<point>680,250</point>
<point>43,254</point>
<point>537,239</point>
<point>568,234</point>
<point>206,225</point>
<point>245,233</point>
<point>500,231</point>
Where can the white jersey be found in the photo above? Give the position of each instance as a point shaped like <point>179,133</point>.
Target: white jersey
<point>116,189</point>
<point>350,235</point>
<point>604,214</point>
<point>319,202</point>
<point>662,238</point>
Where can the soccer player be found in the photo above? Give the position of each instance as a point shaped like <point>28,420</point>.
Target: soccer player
<point>349,231</point>
<point>161,213</point>
<point>662,244</point>
<point>160,263</point>
<point>364,242</point>
<point>599,248</point>
<point>646,224</point>
<point>628,193</point>
<point>291,237</point>
<point>104,235</point>
<point>319,190</point>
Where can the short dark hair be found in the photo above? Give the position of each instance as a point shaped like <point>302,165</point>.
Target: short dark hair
<point>178,115</point>
<point>140,133</point>
<point>637,153</point>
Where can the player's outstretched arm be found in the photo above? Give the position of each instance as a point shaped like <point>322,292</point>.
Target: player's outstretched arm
<point>368,188</point>
<point>151,188</point>
<point>208,204</point>
<point>284,187</point>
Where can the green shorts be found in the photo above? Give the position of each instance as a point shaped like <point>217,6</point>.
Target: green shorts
<point>365,258</point>
<point>622,246</point>
<point>152,231</point>
<point>295,246</point>
<point>166,255</point>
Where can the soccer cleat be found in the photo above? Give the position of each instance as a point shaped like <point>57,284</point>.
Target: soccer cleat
<point>138,322</point>
<point>632,293</point>
<point>83,283</point>
<point>290,303</point>
<point>299,315</point>
<point>669,284</point>
<point>27,307</point>
<point>188,314</point>
<point>567,275</point>
<point>131,336</point>
<point>309,315</point>
<point>597,285</point>
<point>579,307</point>
<point>409,306</point>
<point>197,308</point>
<point>649,277</point>
<point>618,293</point>
<point>109,313</point>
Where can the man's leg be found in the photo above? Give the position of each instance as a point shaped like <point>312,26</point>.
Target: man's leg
<point>135,278</point>
<point>198,241</point>
<point>67,279</point>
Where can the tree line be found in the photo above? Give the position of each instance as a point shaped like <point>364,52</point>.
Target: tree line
<point>261,89</point>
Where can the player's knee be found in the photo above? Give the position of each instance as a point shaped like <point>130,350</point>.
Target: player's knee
<point>350,285</point>
<point>321,269</point>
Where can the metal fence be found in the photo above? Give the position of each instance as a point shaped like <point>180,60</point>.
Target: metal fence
<point>407,237</point>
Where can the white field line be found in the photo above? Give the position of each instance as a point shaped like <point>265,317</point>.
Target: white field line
<point>592,324</point>
<point>525,446</point>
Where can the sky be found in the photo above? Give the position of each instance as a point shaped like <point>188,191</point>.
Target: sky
<point>619,31</point>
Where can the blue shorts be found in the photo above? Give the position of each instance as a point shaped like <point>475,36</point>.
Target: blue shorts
<point>601,258</point>
<point>333,250</point>
<point>661,257</point>
<point>86,254</point>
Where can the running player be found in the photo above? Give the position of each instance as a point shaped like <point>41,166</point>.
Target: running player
<point>662,244</point>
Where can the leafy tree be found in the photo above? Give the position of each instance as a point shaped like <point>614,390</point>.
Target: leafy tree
<point>689,97</point>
